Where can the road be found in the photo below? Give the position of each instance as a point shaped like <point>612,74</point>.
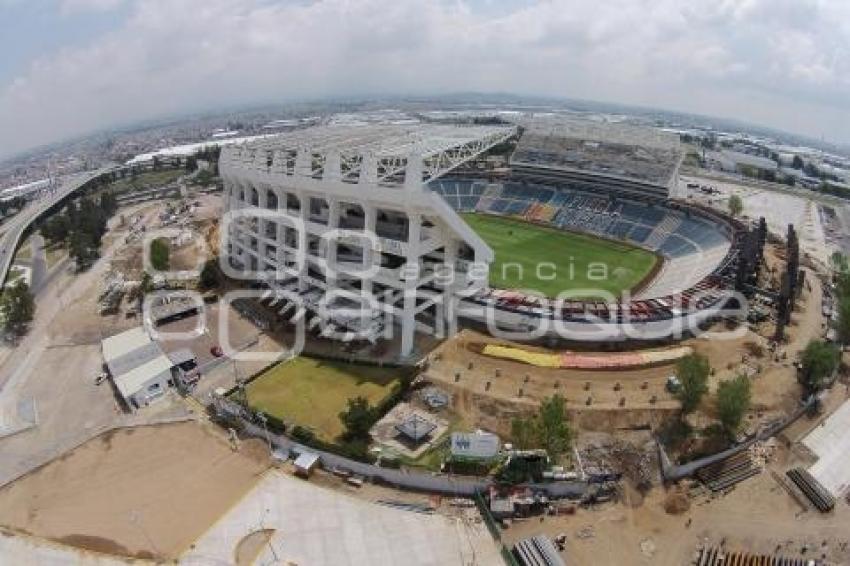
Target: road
<point>18,224</point>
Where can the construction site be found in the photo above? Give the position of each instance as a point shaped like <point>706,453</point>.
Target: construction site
<point>201,391</point>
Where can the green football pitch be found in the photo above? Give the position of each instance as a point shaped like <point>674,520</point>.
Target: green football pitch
<point>533,257</point>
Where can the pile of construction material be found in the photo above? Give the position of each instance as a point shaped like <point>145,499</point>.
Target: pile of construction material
<point>612,460</point>
<point>763,452</point>
<point>537,551</point>
<point>714,556</point>
<point>112,294</point>
<point>726,473</point>
<point>812,489</point>
<point>435,398</point>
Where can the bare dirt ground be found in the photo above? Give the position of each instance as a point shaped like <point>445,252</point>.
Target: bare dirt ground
<point>779,205</point>
<point>55,366</point>
<point>145,492</point>
<point>757,516</point>
<point>490,391</point>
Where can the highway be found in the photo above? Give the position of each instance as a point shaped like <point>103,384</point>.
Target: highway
<point>17,225</point>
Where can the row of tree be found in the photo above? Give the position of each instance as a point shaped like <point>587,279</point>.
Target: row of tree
<point>548,429</point>
<point>81,226</point>
<point>733,396</point>
<point>15,203</point>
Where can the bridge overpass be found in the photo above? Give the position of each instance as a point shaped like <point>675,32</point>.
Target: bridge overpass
<point>18,224</point>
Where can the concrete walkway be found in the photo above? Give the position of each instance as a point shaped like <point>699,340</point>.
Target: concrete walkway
<point>316,525</point>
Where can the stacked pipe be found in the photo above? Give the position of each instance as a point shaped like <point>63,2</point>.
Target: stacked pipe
<point>728,472</point>
<point>812,489</point>
<point>714,556</point>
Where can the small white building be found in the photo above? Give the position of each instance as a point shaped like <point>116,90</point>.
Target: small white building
<point>140,370</point>
<point>477,445</point>
<point>305,464</point>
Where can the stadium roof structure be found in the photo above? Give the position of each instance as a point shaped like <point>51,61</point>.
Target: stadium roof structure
<point>623,151</point>
<point>388,146</point>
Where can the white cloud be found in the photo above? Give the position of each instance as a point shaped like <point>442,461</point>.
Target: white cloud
<point>782,63</point>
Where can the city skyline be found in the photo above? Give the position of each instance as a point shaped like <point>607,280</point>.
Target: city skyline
<point>108,63</point>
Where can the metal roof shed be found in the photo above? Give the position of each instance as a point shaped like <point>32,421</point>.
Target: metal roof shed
<point>116,346</point>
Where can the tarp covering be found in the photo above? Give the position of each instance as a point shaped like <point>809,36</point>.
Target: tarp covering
<point>574,360</point>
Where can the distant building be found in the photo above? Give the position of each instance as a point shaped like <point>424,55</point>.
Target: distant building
<point>477,445</point>
<point>800,178</point>
<point>738,162</point>
<point>24,190</point>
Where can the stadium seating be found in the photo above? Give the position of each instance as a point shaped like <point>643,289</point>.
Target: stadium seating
<point>461,194</point>
<point>693,245</point>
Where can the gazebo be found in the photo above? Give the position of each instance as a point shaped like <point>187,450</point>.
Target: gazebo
<point>415,427</point>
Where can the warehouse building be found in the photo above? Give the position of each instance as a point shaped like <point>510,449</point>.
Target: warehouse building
<point>137,365</point>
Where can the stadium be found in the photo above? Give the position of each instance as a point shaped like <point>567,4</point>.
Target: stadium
<point>545,227</point>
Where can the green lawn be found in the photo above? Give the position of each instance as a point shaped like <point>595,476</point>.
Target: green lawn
<point>312,392</point>
<point>580,262</point>
<point>146,180</point>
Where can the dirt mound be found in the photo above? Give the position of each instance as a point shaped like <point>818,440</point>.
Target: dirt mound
<point>676,503</point>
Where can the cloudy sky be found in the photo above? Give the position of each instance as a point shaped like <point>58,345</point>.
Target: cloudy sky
<point>73,66</point>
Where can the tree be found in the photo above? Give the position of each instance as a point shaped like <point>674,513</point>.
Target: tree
<point>159,254</point>
<point>811,170</point>
<point>210,274</point>
<point>838,261</point>
<point>108,203</point>
<point>17,308</point>
<point>358,418</point>
<point>82,249</point>
<point>819,361</point>
<point>693,373</point>
<point>553,427</point>
<point>145,285</point>
<point>733,402</point>
<point>548,429</point>
<point>797,162</point>
<point>523,434</point>
<point>736,205</point>
<point>56,228</point>
<point>843,327</point>
<point>204,177</point>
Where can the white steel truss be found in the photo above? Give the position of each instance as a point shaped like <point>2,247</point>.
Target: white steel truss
<point>383,170</point>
